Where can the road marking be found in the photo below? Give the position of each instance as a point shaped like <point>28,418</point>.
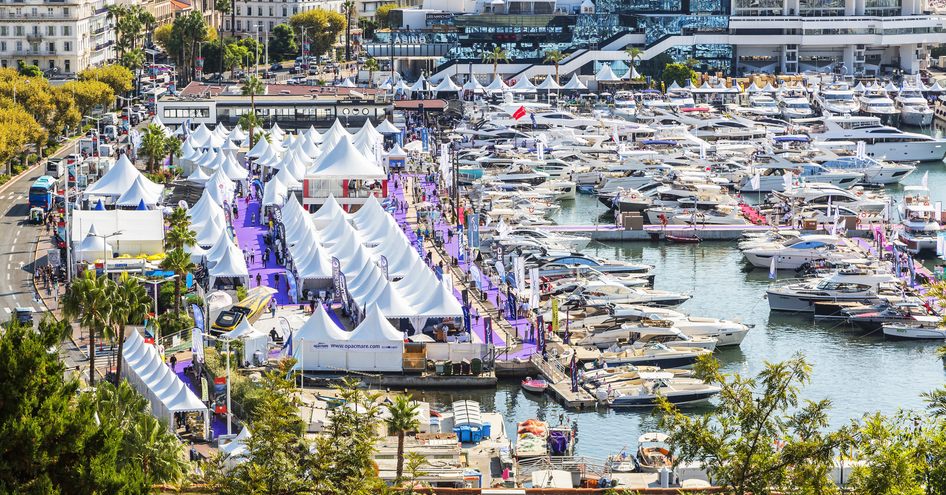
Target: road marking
<point>8,310</point>
<point>8,276</point>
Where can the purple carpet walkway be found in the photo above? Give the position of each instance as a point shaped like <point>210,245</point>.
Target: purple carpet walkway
<point>218,424</point>
<point>249,233</point>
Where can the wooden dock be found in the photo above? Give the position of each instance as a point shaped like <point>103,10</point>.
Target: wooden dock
<point>560,385</point>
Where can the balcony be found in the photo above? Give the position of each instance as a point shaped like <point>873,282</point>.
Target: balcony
<point>27,16</point>
<point>29,52</point>
<point>34,37</point>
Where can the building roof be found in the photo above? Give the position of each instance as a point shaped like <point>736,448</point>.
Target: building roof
<point>415,104</point>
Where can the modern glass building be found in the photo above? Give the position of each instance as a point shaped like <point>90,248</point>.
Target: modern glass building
<point>734,37</point>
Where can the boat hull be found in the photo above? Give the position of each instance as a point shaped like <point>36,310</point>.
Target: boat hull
<point>899,332</point>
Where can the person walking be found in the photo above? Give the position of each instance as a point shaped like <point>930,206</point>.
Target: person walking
<point>259,279</point>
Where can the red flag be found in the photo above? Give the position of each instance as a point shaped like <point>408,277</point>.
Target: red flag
<point>220,380</point>
<point>520,113</point>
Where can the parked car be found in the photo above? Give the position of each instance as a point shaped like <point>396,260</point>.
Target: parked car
<point>276,67</point>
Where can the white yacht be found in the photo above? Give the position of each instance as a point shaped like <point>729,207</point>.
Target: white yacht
<point>794,253</point>
<point>854,199</point>
<point>920,225</point>
<point>795,105</point>
<point>605,291</point>
<point>720,215</point>
<point>726,333</point>
<point>625,107</point>
<point>842,286</point>
<point>837,100</point>
<point>566,240</point>
<point>763,105</point>
<point>775,177</point>
<point>883,142</point>
<point>660,384</point>
<point>875,172</point>
<point>875,103</point>
<point>914,109</point>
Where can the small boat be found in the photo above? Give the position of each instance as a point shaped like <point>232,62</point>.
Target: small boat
<point>653,453</point>
<point>682,239</point>
<point>536,385</point>
<point>900,331</point>
<point>622,463</point>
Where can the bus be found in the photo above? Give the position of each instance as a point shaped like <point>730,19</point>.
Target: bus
<point>42,193</point>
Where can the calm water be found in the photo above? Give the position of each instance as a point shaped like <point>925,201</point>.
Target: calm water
<point>859,373</point>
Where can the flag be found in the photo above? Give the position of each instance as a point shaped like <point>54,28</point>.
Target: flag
<point>773,271</point>
<point>756,182</point>
<point>555,314</point>
<point>519,113</point>
<point>788,178</point>
<point>532,117</point>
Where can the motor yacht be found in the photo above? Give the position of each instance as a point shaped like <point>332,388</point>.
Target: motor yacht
<point>653,452</point>
<point>914,109</point>
<point>907,331</point>
<point>795,105</point>
<point>875,172</point>
<point>906,312</point>
<point>855,199</point>
<point>844,285</point>
<point>882,142</point>
<point>652,355</point>
<point>875,103</point>
<point>721,215</point>
<point>920,225</point>
<point>778,176</point>
<point>795,253</point>
<point>658,385</point>
<point>569,241</point>
<point>837,100</point>
<point>624,105</point>
<point>763,105</point>
<point>606,291</point>
<point>581,264</point>
<point>641,334</point>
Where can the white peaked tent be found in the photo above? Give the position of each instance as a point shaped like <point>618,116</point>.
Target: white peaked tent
<point>328,211</point>
<point>119,179</point>
<point>313,135</point>
<point>473,85</point>
<point>369,131</point>
<point>575,84</point>
<point>237,135</point>
<point>151,377</point>
<point>93,247</point>
<point>497,85</point>
<point>441,304</point>
<point>859,88</point>
<point>605,74</point>
<point>277,132</point>
<point>208,231</point>
<point>230,265</point>
<point>221,130</point>
<point>420,85</point>
<point>138,193</point>
<point>157,121</point>
<point>345,161</point>
<point>386,127</point>
<point>208,160</point>
<point>673,85</point>
<point>307,147</point>
<point>188,154</point>
<point>200,135</point>
<point>254,341</point>
<point>319,345</point>
<point>401,86</point>
<point>375,345</point>
<point>286,177</point>
<point>258,149</point>
<point>447,85</point>
<point>230,147</point>
<point>232,168</point>
<point>204,209</point>
<point>549,84</point>
<point>235,451</point>
<point>769,88</point>
<point>275,192</point>
<point>936,87</point>
<point>334,134</point>
<point>523,85</point>
<point>347,83</point>
<point>219,247</point>
<point>386,85</point>
<point>198,176</point>
<point>633,74</point>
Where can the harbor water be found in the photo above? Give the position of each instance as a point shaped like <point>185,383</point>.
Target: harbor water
<point>859,372</point>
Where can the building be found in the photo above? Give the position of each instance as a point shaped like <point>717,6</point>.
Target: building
<point>164,11</point>
<point>366,9</point>
<point>264,15</point>
<point>60,37</point>
<point>732,37</point>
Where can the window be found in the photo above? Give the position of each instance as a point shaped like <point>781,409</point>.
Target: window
<point>259,11</point>
<point>271,23</point>
<point>3,63</point>
<point>285,12</point>
<point>67,30</point>
<point>271,12</point>
<point>295,10</point>
<point>67,46</point>
<point>228,24</point>
<point>65,11</point>
<point>3,31</point>
<point>51,47</point>
<point>239,25</point>
<point>65,66</point>
<point>52,65</point>
<point>237,10</point>
<point>50,30</point>
<point>3,46</point>
<point>18,30</point>
<point>19,46</point>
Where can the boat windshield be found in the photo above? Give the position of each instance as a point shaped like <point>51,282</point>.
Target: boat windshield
<point>842,286</point>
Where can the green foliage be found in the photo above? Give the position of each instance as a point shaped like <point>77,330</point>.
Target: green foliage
<point>677,72</point>
<point>321,27</point>
<point>554,57</point>
<point>382,15</point>
<point>153,146</point>
<point>222,6</point>
<point>89,94</point>
<point>738,443</point>
<point>130,21</point>
<point>282,43</point>
<point>494,57</point>
<point>179,262</point>
<point>117,77</point>
<point>131,304</point>
<point>183,42</point>
<point>241,293</point>
<point>88,301</point>
<point>179,234</point>
<point>28,70</point>
<point>402,419</point>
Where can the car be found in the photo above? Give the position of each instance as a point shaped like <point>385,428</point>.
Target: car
<point>362,60</point>
<point>295,70</point>
<point>313,71</point>
<point>275,67</point>
<point>267,74</point>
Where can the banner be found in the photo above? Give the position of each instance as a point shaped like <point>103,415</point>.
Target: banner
<point>501,270</point>
<point>488,331</point>
<point>519,265</point>
<point>540,333</point>
<point>534,288</point>
<point>337,277</point>
<point>477,276</point>
<point>198,316</point>
<point>466,319</point>
<point>353,346</point>
<point>197,344</point>
<point>473,231</point>
<point>555,315</point>
<point>424,139</point>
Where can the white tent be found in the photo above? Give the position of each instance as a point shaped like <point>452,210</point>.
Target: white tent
<point>319,345</point>
<point>375,345</point>
<point>605,74</point>
<point>327,212</point>
<point>119,179</point>
<point>208,231</point>
<point>313,135</point>
<point>93,247</point>
<point>386,127</point>
<point>198,176</point>
<point>447,85</point>
<point>230,265</point>
<point>473,85</point>
<point>255,342</point>
<point>258,149</point>
<point>151,377</point>
<point>237,135</point>
<point>497,86</point>
<point>200,136</point>
<point>347,83</point>
<point>275,192</point>
<point>232,168</point>
<point>139,193</point>
<point>157,121</point>
<point>575,84</point>
<point>345,161</point>
<point>235,451</point>
<point>420,85</point>
<point>523,85</point>
<point>549,84</point>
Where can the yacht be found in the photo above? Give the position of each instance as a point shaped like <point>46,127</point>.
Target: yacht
<point>909,312</point>
<point>763,105</point>
<point>653,355</point>
<point>580,264</point>
<point>606,291</point>
<point>795,253</point>
<point>520,173</point>
<point>907,331</point>
<point>658,385</point>
<point>624,105</point>
<point>638,335</point>
<point>777,176</point>
<point>795,105</point>
<point>721,215</point>
<point>875,103</point>
<point>876,172</point>
<point>842,286</point>
<point>883,142</point>
<point>914,109</point>
<point>837,100</point>
<point>920,225</point>
<point>566,240</point>
<point>855,199</point>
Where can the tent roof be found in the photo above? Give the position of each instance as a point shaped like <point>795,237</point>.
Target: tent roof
<point>473,85</point>
<point>119,179</point>
<point>347,83</point>
<point>397,152</point>
<point>258,149</point>
<point>575,83</point>
<point>549,84</point>
<point>523,85</point>
<point>347,162</point>
<point>243,330</point>
<point>497,85</point>
<point>155,380</point>
<point>230,264</point>
<point>442,303</point>
<point>198,176</point>
<point>92,243</point>
<point>386,127</point>
<point>447,85</point>
<point>375,327</point>
<point>275,192</point>
<point>320,327</point>
<point>605,74</point>
<point>137,193</point>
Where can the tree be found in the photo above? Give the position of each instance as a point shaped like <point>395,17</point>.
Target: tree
<point>153,145</point>
<point>760,438</point>
<point>321,28</point>
<point>28,70</point>
<point>17,129</point>
<point>162,37</point>
<point>371,65</point>
<point>282,44</point>
<point>88,301</point>
<point>252,86</point>
<point>348,6</point>
<point>402,419</point>
<point>235,55</point>
<point>173,147</point>
<point>90,94</point>
<point>187,32</point>
<point>677,72</point>
<point>130,306</point>
<point>116,76</point>
<point>133,59</point>
<point>383,14</point>
<point>494,57</point>
<point>180,263</point>
<point>248,122</point>
<point>180,234</point>
<point>554,57</point>
<point>633,53</point>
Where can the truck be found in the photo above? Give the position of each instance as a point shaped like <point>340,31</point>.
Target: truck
<point>55,168</point>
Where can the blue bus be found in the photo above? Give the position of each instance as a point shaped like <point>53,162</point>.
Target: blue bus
<point>43,192</point>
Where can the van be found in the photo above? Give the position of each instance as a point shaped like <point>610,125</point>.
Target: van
<point>110,131</point>
<point>109,119</point>
<point>106,150</point>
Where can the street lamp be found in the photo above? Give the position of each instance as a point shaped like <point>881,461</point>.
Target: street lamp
<point>14,89</point>
<point>105,238</point>
<point>226,343</point>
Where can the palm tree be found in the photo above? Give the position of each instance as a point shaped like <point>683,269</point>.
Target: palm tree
<point>88,301</point>
<point>180,236</point>
<point>172,146</point>
<point>554,57</point>
<point>153,145</point>
<point>349,7</point>
<point>252,86</point>
<point>371,65</point>
<point>633,53</point>
<point>177,217</point>
<point>130,306</point>
<point>494,57</point>
<point>180,263</point>
<point>402,420</point>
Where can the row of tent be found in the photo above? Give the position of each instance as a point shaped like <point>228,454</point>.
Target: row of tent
<point>215,246</point>
<point>522,85</point>
<point>400,284</point>
<point>123,185</point>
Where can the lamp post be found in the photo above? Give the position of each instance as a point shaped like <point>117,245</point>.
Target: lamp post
<point>14,89</point>
<point>156,283</point>
<point>104,238</point>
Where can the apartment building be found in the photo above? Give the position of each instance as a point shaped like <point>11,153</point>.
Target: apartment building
<point>264,15</point>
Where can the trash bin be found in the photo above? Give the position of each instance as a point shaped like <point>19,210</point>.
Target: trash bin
<point>447,368</point>
<point>487,430</point>
<point>439,368</point>
<point>476,366</point>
